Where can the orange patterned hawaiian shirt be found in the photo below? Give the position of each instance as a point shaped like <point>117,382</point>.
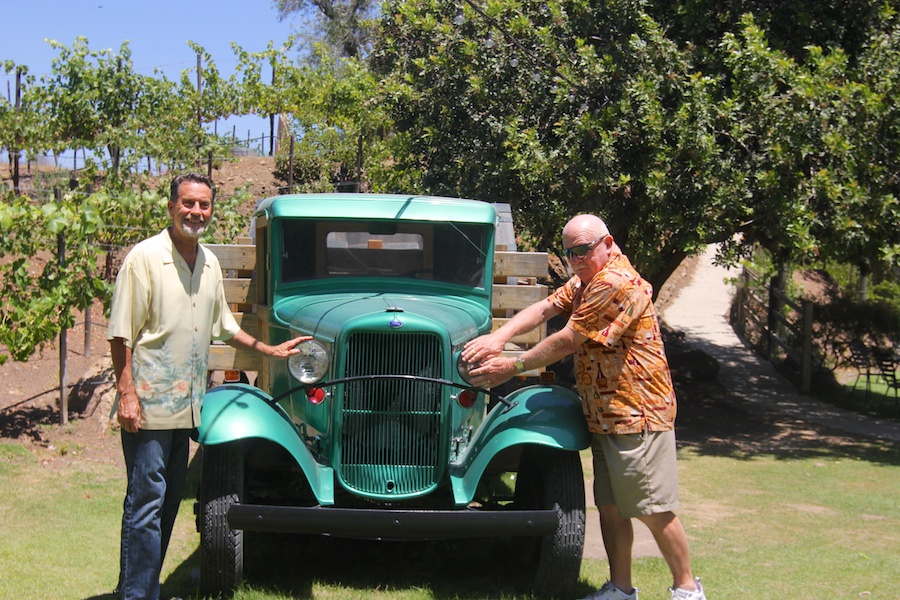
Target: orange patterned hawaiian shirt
<point>621,371</point>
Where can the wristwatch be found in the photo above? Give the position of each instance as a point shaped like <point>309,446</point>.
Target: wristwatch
<point>520,365</point>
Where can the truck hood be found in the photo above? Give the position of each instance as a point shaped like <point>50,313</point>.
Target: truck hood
<point>324,316</point>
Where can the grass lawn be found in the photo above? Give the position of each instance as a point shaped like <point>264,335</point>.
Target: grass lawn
<point>823,524</point>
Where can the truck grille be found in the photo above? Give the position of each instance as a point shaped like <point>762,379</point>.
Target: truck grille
<point>391,427</point>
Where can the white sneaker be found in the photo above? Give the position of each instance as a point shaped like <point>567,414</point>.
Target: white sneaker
<point>683,594</point>
<point>611,592</point>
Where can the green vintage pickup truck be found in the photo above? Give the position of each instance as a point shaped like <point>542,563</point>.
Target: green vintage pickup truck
<point>372,431</point>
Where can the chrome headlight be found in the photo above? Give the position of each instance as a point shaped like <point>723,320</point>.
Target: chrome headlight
<point>311,364</point>
<point>463,368</point>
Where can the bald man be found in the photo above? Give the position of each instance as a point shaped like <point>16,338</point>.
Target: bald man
<point>623,379</point>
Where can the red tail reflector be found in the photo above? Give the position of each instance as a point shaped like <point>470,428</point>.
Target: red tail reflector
<point>466,398</point>
<point>315,395</point>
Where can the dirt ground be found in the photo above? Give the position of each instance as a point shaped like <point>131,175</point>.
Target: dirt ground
<point>254,170</point>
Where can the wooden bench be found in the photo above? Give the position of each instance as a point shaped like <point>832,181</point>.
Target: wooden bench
<point>515,287</point>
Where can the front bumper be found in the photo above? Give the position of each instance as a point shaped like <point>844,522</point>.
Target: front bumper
<point>397,524</point>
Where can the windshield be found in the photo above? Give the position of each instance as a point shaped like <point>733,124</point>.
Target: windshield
<point>446,252</point>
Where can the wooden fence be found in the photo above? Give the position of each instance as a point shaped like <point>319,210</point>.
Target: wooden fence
<point>773,323</point>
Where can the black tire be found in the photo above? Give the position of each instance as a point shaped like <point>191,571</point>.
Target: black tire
<point>221,548</point>
<point>549,566</point>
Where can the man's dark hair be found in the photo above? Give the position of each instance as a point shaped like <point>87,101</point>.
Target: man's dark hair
<point>194,178</point>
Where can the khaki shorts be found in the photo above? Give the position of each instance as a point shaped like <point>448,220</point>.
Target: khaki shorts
<point>636,472</point>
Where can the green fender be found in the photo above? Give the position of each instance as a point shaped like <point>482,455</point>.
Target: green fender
<point>543,415</point>
<point>238,411</point>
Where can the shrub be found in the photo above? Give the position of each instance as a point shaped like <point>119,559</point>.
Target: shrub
<point>312,173</point>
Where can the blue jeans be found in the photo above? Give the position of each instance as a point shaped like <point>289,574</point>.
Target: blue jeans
<point>156,463</point>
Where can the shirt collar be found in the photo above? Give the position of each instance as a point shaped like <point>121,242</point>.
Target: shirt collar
<point>169,251</point>
<point>168,247</point>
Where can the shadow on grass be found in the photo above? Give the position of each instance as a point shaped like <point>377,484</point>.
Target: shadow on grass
<point>713,422</point>
<point>292,565</point>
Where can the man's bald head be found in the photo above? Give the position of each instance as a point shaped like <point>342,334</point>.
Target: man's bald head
<point>590,227</point>
<point>587,245</point>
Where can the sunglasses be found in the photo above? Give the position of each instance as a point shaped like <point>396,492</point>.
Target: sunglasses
<point>581,249</point>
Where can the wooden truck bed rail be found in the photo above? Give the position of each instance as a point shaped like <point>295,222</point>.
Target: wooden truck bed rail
<point>515,287</point>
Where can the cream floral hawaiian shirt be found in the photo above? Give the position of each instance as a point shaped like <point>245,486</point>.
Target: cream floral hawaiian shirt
<point>168,315</point>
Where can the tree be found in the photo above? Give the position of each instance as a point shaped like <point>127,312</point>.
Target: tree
<point>254,94</point>
<point>211,99</point>
<point>39,296</point>
<point>818,145</point>
<point>790,25</point>
<point>559,109</point>
<point>21,119</point>
<point>346,25</point>
<point>91,98</point>
<point>336,121</point>
<point>857,187</point>
<point>774,143</point>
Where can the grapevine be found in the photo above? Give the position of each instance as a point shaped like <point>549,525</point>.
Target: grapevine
<point>40,294</point>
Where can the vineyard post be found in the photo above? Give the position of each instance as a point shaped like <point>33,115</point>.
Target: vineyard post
<point>209,168</point>
<point>272,121</point>
<point>199,105</point>
<point>88,320</point>
<point>63,345</point>
<point>9,99</point>
<point>359,162</point>
<point>88,326</point>
<point>291,168</point>
<point>14,152</point>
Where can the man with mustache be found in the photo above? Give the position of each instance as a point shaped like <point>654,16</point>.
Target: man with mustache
<point>168,303</point>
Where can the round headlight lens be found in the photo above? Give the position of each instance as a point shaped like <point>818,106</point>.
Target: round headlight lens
<point>311,364</point>
<point>463,368</point>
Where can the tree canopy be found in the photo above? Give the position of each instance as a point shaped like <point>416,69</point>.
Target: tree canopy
<point>345,25</point>
<point>621,108</point>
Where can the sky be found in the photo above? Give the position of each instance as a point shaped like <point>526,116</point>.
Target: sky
<point>157,32</point>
